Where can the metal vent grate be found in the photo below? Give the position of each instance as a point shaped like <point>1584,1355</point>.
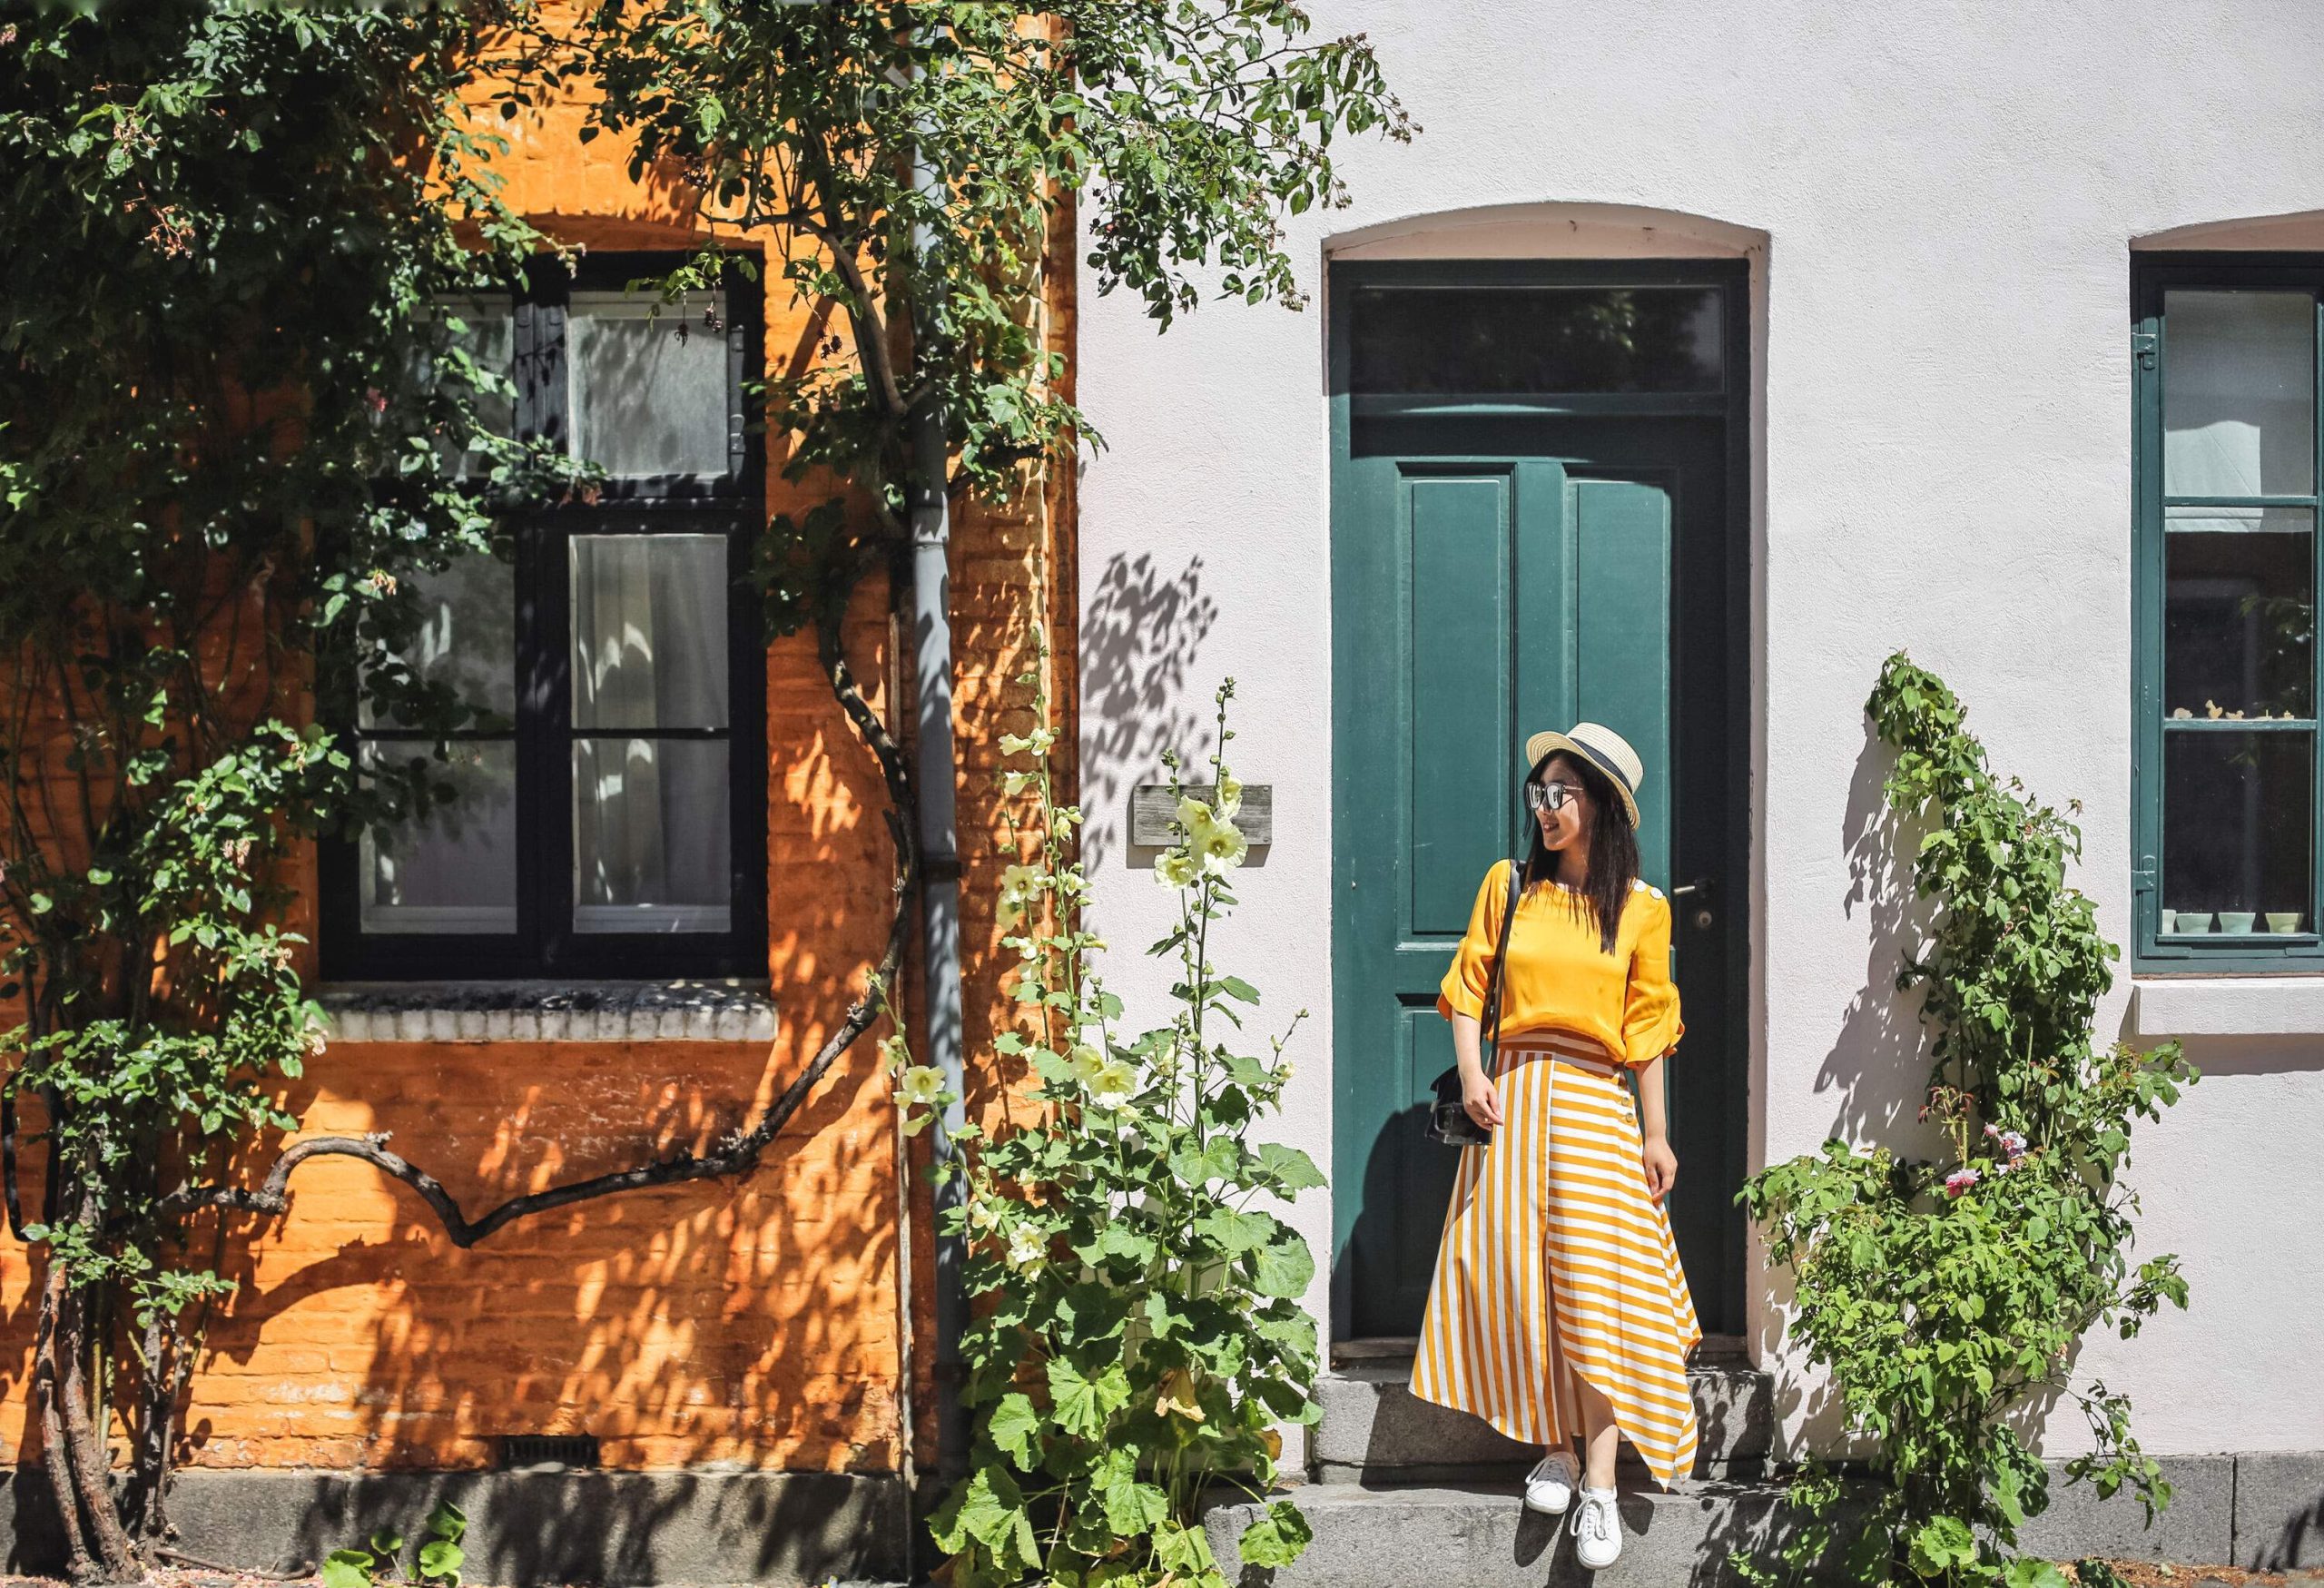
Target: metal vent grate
<point>568,1450</point>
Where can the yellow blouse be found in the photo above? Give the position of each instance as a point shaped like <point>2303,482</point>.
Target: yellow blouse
<point>1559,978</point>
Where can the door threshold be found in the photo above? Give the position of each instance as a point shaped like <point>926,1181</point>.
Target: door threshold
<point>1380,1348</point>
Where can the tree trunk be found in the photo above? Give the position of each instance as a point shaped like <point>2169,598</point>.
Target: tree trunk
<point>48,1392</point>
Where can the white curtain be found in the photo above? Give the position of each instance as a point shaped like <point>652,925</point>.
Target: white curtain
<point>2238,399</point>
<point>651,819</point>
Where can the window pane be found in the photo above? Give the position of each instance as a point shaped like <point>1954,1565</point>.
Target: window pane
<point>649,393</point>
<point>2238,822</point>
<point>2239,385</point>
<point>2239,613</point>
<point>1487,339</point>
<point>651,834</point>
<point>649,631</point>
<point>466,640</point>
<point>455,869</point>
<point>486,331</point>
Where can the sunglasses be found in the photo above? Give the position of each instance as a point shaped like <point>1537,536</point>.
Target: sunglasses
<point>1550,795</point>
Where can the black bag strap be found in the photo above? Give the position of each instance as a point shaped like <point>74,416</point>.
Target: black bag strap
<point>1501,957</point>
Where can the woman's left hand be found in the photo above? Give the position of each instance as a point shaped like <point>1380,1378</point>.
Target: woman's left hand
<point>1662,1166</point>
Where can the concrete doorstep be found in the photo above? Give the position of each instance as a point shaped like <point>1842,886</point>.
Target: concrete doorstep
<point>2261,1512</point>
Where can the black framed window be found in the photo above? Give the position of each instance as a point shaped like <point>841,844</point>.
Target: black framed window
<point>2230,432</point>
<point>609,817</point>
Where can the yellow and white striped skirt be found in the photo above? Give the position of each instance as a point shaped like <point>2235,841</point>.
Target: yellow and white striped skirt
<point>1556,1262</point>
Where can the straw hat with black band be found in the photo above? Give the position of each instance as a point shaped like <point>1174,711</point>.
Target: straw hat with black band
<point>1601,747</point>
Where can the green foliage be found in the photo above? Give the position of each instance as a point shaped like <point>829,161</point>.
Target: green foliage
<point>1943,1298</point>
<point>1139,1331</point>
<point>225,398</point>
<point>1185,129</point>
<point>437,1565</point>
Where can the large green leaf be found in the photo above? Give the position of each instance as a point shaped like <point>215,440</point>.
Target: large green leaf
<point>1083,1405</point>
<point>1279,1536</point>
<point>1015,1428</point>
<point>1286,1267</point>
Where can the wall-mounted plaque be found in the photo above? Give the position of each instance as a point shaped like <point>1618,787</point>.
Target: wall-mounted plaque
<point>1152,805</point>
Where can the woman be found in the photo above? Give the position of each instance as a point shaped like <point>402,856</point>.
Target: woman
<point>1558,1307</point>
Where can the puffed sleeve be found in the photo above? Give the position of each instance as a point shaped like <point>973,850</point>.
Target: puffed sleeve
<point>1650,1022</point>
<point>1462,991</point>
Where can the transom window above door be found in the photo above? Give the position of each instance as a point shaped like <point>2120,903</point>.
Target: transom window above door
<point>606,816</point>
<point>2229,430</point>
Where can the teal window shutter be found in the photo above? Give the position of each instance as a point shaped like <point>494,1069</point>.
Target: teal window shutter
<point>2227,760</point>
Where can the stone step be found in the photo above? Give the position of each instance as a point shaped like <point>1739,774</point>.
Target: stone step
<point>1373,1429</point>
<point>1481,1536</point>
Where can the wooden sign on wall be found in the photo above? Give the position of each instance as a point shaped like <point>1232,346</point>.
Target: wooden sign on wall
<point>1153,804</point>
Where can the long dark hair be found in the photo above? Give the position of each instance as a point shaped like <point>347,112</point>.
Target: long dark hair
<point>1613,848</point>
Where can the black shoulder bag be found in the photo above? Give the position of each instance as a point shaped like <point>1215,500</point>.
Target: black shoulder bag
<point>1448,1120</point>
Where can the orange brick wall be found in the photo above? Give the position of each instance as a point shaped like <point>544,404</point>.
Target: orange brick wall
<point>753,1322</point>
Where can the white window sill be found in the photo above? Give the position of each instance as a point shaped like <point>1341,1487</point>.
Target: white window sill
<point>548,1011</point>
<point>2227,1006</point>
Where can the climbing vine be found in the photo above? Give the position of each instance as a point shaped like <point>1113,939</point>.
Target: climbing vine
<point>1945,1297</point>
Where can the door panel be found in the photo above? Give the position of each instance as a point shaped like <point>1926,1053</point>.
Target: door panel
<point>1491,578</point>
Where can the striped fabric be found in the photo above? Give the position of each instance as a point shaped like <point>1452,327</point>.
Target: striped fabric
<point>1555,1260</point>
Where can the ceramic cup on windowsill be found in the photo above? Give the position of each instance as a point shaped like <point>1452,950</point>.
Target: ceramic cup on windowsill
<point>2184,921</point>
<point>2237,923</point>
<point>2283,923</point>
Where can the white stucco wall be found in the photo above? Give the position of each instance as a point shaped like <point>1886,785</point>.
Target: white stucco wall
<point>1948,194</point>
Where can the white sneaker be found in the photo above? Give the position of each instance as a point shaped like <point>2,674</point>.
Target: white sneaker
<point>1550,1485</point>
<point>1597,1529</point>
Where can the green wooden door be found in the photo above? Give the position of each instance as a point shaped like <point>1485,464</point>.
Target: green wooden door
<point>1496,572</point>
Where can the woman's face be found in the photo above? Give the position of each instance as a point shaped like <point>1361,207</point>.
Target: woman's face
<point>1567,827</point>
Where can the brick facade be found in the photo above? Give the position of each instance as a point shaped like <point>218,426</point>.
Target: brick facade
<point>749,1324</point>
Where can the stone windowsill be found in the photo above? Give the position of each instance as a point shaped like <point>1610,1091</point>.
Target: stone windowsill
<point>548,1011</point>
<point>2227,1006</point>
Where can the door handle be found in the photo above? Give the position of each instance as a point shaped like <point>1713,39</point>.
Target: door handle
<point>1700,891</point>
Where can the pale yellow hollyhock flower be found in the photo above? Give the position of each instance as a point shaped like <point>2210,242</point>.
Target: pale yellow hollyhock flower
<point>920,1087</point>
<point>1230,795</point>
<point>1112,1085</point>
<point>1086,1062</point>
<point>1026,1248</point>
<point>1193,815</point>
<point>1019,884</point>
<point>1177,1397</point>
<point>1175,868</point>
<point>1219,846</point>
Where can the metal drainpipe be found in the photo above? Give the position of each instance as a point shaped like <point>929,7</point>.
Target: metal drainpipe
<point>940,891</point>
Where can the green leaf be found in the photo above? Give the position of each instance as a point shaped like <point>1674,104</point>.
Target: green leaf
<point>348,1568</point>
<point>2029,1573</point>
<point>1133,1508</point>
<point>1285,1267</point>
<point>1279,1536</point>
<point>1015,1429</point>
<point>1941,1544</point>
<point>1290,1168</point>
<point>1236,1233</point>
<point>1236,987</point>
<point>442,1558</point>
<point>1083,1406</point>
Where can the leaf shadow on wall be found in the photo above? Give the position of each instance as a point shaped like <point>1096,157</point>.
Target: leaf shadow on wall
<point>1878,1060</point>
<point>1141,632</point>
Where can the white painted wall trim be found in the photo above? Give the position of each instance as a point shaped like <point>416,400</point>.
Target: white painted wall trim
<point>2227,1006</point>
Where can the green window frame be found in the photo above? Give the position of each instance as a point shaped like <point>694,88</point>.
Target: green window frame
<point>2239,777</point>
